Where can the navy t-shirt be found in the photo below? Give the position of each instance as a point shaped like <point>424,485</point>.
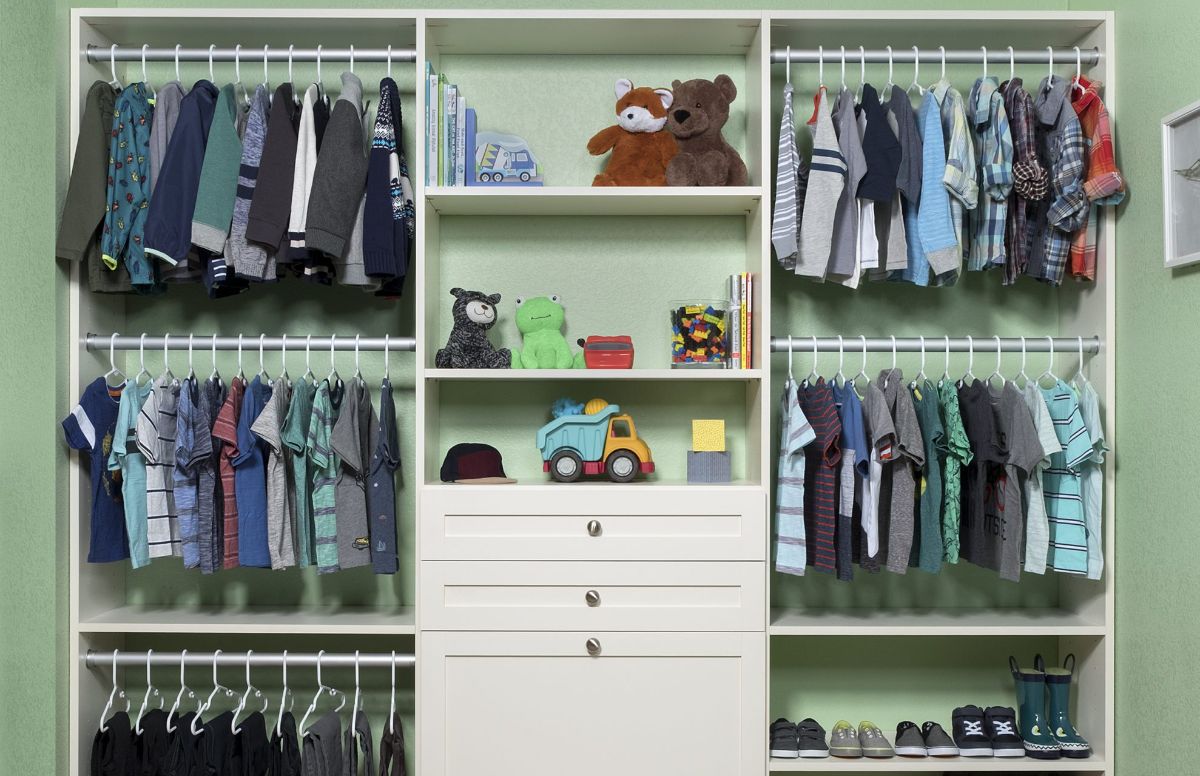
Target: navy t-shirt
<point>90,427</point>
<point>250,480</point>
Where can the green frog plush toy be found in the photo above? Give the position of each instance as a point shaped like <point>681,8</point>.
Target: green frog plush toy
<point>540,320</point>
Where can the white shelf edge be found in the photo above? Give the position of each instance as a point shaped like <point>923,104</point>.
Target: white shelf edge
<point>592,374</point>
<point>589,200</point>
<point>939,622</point>
<point>129,619</point>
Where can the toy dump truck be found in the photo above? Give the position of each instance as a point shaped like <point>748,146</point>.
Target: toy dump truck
<point>602,440</point>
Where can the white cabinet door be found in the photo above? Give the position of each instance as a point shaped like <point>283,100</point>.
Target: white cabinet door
<point>539,704</point>
<point>593,522</point>
<point>555,595</point>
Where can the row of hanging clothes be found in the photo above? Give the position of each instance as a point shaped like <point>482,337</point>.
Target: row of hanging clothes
<point>997,179</point>
<point>1006,474</point>
<point>262,472</point>
<point>232,734</point>
<point>232,188</point>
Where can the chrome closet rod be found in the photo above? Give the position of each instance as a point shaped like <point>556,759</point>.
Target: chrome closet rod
<point>249,342</point>
<point>933,56</point>
<point>97,659</point>
<point>250,54</point>
<point>1064,345</point>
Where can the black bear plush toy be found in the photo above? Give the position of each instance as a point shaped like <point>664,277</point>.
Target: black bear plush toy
<point>468,346</point>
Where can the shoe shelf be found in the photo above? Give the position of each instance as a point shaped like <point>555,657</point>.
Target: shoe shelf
<point>938,765</point>
<point>589,201</point>
<point>932,622</point>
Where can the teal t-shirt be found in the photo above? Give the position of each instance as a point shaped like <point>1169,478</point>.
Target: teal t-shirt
<point>295,438</point>
<point>126,458</point>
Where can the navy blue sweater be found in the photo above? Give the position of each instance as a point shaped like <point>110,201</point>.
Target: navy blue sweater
<point>386,243</point>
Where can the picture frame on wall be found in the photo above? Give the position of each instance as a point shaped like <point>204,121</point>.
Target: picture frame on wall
<point>1181,186</point>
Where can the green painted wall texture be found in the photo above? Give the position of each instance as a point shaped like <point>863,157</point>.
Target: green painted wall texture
<point>1159,585</point>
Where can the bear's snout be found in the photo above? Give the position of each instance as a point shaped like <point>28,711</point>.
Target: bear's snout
<point>681,116</point>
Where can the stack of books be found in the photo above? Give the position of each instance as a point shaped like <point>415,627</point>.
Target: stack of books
<point>449,133</point>
<point>741,316</point>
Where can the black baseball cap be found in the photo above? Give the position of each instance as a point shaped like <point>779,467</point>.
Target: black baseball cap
<point>474,463</point>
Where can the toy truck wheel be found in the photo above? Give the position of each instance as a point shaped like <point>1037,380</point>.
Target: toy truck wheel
<point>566,466</point>
<point>497,176</point>
<point>621,466</point>
<point>485,176</point>
<point>525,176</point>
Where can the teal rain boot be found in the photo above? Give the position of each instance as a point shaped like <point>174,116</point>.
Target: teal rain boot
<point>1031,706</point>
<point>1058,688</point>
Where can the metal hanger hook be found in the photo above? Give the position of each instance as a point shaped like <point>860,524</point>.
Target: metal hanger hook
<point>970,355</point>
<point>1080,340</point>
<point>1078,64</point>
<point>946,369</point>
<point>999,354</point>
<point>862,341</point>
<point>893,338</point>
<point>357,371</point>
<point>1022,372</point>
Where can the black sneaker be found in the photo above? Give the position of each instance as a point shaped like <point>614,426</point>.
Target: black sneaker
<point>810,739</point>
<point>1000,722</point>
<point>969,735</point>
<point>909,741</point>
<point>783,739</point>
<point>938,743</point>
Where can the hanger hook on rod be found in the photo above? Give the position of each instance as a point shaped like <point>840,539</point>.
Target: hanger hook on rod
<point>843,68</point>
<point>943,50</point>
<point>177,47</point>
<point>237,63</point>
<point>211,47</point>
<point>1050,72</point>
<point>351,57</point>
<point>820,66</point>
<point>291,50</point>
<point>387,352</point>
<point>984,61</point>
<point>889,51</point>
<point>1012,64</point>
<point>112,65</point>
<point>389,60</point>
<point>320,82</point>
<point>266,73</point>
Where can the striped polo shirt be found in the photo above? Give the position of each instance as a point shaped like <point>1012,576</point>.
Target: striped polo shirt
<point>1062,482</point>
<point>325,465</point>
<point>795,433</point>
<point>824,455</point>
<point>225,429</point>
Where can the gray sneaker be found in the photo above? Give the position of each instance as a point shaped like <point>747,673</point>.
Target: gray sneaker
<point>843,741</point>
<point>872,740</point>
<point>937,742</point>
<point>909,741</point>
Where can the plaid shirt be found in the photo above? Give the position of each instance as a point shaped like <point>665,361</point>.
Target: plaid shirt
<point>1104,184</point>
<point>993,143</point>
<point>1029,179</point>
<point>959,177</point>
<point>1061,147</point>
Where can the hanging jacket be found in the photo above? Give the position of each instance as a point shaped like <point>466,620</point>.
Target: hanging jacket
<point>389,215</point>
<point>219,176</point>
<point>249,259</point>
<point>267,221</point>
<point>128,186</point>
<point>166,113</point>
<point>169,221</point>
<point>340,174</point>
<point>304,163</point>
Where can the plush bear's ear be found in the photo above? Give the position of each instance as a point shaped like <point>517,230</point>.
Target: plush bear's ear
<point>623,87</point>
<point>494,299</point>
<point>676,84</point>
<point>725,84</point>
<point>666,97</point>
<point>456,292</point>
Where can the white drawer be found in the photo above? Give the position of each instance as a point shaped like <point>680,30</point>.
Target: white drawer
<point>593,596</point>
<point>573,522</point>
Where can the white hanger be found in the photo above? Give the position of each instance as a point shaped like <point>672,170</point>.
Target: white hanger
<point>217,687</point>
<point>791,377</point>
<point>352,58</point>
<point>838,377</point>
<point>1012,64</point>
<point>237,72</point>
<point>266,73</point>
<point>233,726</point>
<point>211,47</point>
<point>262,366</point>
<point>112,66</point>
<point>116,694</point>
<point>183,688</point>
<point>392,703</point>
<point>893,369</point>
<point>1080,377</point>
<point>387,353</point>
<point>843,69</point>
<point>1024,378</point>
<point>191,375</point>
<point>321,688</point>
<point>1050,71</point>
<point>889,81</point>
<point>320,83</point>
<point>167,374</point>
<point>112,361</point>
<point>150,690</point>
<point>787,65</point>
<point>389,61</point>
<point>920,372</point>
<point>142,360</point>
<point>1050,364</point>
<point>820,67</point>
<point>354,706</point>
<point>216,375</point>
<point>943,50</point>
<point>333,373</point>
<point>145,77</point>
<point>945,371</point>
<point>308,372</point>
<point>969,375</point>
<point>862,73</point>
<point>240,374</point>
<point>177,47</point>
<point>1078,70</point>
<point>862,369</point>
<point>813,375</point>
<point>283,699</point>
<point>984,61</point>
<point>996,372</point>
<point>916,73</point>
<point>357,371</point>
<point>291,50</point>
<point>283,374</point>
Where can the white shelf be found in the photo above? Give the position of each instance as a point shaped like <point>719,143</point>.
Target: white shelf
<point>467,375</point>
<point>942,622</point>
<point>938,765</point>
<point>592,201</point>
<point>541,485</point>
<point>136,619</point>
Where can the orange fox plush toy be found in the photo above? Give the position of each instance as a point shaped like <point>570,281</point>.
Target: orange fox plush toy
<point>640,148</point>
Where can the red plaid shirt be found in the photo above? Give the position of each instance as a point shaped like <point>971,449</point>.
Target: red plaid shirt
<point>1103,185</point>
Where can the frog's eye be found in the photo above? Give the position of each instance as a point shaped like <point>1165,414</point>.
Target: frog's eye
<point>520,301</point>
<point>554,298</point>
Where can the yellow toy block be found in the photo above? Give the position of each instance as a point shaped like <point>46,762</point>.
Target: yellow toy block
<point>708,436</point>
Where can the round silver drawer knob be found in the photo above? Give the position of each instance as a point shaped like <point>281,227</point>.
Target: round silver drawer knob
<point>592,597</point>
<point>594,528</point>
<point>593,646</point>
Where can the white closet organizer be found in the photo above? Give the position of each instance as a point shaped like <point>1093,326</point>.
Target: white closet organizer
<point>637,625</point>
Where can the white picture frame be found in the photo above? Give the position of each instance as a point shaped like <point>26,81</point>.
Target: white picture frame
<point>1181,193</point>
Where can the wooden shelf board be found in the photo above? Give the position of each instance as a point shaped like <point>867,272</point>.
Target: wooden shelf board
<point>937,765</point>
<point>138,619</point>
<point>593,374</point>
<point>942,622</point>
<point>592,201</point>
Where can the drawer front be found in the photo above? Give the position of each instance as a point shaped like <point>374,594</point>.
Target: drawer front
<point>542,704</point>
<point>563,596</point>
<point>599,523</point>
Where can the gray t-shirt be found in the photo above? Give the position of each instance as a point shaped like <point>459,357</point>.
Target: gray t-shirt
<point>882,436</point>
<point>353,439</point>
<point>900,477</point>
<point>280,542</point>
<point>845,222</point>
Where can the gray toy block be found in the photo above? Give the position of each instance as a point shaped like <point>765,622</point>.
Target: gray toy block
<point>707,466</point>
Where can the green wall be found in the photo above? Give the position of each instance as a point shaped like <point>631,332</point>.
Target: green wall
<point>1158,586</point>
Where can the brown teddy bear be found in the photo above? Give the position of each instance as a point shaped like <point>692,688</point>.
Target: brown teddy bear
<point>640,148</point>
<point>699,111</point>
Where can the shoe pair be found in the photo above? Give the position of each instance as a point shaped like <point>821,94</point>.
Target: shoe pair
<point>867,741</point>
<point>929,740</point>
<point>990,732</point>
<point>803,739</point>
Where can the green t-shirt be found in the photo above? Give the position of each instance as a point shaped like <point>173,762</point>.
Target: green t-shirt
<point>958,455</point>
<point>325,465</point>
<point>295,438</point>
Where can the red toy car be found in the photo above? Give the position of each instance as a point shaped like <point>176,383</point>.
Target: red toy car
<point>607,352</point>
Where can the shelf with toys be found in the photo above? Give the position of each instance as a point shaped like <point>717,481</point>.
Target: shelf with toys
<point>593,201</point>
